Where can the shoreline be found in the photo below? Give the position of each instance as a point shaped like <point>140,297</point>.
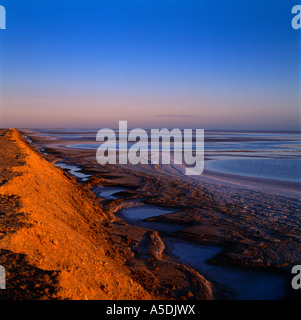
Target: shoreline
<point>264,185</point>
<point>269,186</point>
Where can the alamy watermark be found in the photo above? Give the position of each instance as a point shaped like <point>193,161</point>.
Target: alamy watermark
<point>296,21</point>
<point>2,278</point>
<point>161,147</point>
<point>2,17</point>
<point>296,281</point>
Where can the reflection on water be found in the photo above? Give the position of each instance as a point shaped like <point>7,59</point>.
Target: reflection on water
<point>240,283</point>
<point>245,284</point>
<point>279,169</point>
<point>74,170</point>
<point>108,192</point>
<point>136,215</point>
<point>143,212</point>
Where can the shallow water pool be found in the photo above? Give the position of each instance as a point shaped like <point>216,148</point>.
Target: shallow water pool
<point>243,284</point>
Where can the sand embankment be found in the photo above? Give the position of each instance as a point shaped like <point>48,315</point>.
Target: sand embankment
<point>53,242</point>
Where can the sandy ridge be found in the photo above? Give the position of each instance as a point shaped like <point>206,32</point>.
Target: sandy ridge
<point>59,238</point>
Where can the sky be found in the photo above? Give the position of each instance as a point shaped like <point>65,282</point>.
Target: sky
<point>210,64</point>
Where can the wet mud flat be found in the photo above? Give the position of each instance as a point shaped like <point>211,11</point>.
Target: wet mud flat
<point>232,228</point>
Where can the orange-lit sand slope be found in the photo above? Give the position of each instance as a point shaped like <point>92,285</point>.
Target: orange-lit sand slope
<point>52,239</point>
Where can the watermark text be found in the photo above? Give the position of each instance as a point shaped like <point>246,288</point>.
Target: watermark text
<point>2,278</point>
<point>163,146</point>
<point>296,281</point>
<point>2,17</point>
<point>296,21</point>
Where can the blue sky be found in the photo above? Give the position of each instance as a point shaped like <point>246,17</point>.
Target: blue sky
<point>172,63</point>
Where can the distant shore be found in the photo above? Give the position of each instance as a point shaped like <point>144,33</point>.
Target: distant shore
<point>269,186</point>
